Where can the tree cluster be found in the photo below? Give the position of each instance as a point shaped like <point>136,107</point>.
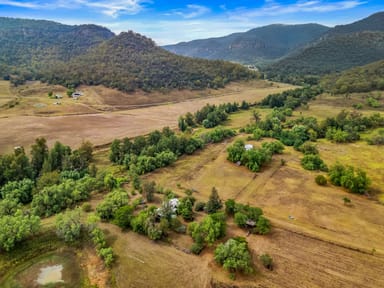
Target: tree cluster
<point>53,199</point>
<point>253,158</point>
<point>354,180</point>
<point>16,228</point>
<point>292,98</point>
<point>210,115</point>
<point>158,149</point>
<point>246,216</point>
<point>211,228</point>
<point>234,255</point>
<point>344,127</point>
<point>359,79</point>
<point>18,166</point>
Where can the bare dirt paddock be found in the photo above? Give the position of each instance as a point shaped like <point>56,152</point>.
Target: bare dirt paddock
<point>22,127</point>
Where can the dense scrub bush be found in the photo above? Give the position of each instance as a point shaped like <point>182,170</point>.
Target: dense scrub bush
<point>68,225</point>
<point>111,203</point>
<point>313,162</point>
<point>321,180</point>
<point>267,261</point>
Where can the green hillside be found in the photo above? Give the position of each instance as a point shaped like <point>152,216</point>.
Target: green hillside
<point>359,79</point>
<point>343,47</point>
<point>333,54</point>
<point>25,44</point>
<point>131,61</point>
<point>374,22</point>
<point>254,46</point>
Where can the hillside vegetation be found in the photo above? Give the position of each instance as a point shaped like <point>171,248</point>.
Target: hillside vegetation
<point>89,54</point>
<point>254,46</point>
<point>131,61</point>
<point>26,44</point>
<point>341,48</point>
<point>334,54</point>
<point>359,79</point>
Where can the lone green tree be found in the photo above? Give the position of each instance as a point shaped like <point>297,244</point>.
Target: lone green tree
<point>39,152</point>
<point>214,203</point>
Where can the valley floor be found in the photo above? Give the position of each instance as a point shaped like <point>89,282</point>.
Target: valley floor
<point>71,123</point>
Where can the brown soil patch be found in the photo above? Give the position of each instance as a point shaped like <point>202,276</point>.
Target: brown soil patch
<point>94,268</point>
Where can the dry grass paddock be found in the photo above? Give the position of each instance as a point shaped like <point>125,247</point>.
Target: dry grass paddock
<point>76,120</point>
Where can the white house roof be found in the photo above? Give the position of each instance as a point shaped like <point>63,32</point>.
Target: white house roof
<point>248,146</point>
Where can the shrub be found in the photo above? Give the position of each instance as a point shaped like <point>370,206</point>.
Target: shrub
<point>230,205</point>
<point>214,202</point>
<point>263,226</point>
<point>308,148</point>
<point>196,248</point>
<point>200,206</point>
<point>267,261</point>
<point>86,207</point>
<point>123,216</point>
<point>149,189</point>
<point>107,255</point>
<point>68,225</point>
<point>321,180</point>
<point>241,219</point>
<point>111,203</point>
<point>313,162</point>
<point>347,201</point>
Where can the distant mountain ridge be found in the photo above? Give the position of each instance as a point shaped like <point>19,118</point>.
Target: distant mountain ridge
<point>372,23</point>
<point>263,43</point>
<point>341,48</point>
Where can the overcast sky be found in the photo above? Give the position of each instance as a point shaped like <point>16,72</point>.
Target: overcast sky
<point>173,21</point>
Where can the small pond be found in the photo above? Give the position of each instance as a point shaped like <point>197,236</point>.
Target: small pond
<point>50,274</point>
<point>57,269</point>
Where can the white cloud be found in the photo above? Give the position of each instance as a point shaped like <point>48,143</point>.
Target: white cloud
<point>274,8</point>
<point>32,5</point>
<point>172,31</point>
<point>192,11</point>
<point>111,8</point>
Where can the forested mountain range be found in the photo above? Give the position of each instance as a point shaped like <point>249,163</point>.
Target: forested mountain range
<point>341,48</point>
<point>291,52</point>
<point>254,46</point>
<point>90,54</point>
